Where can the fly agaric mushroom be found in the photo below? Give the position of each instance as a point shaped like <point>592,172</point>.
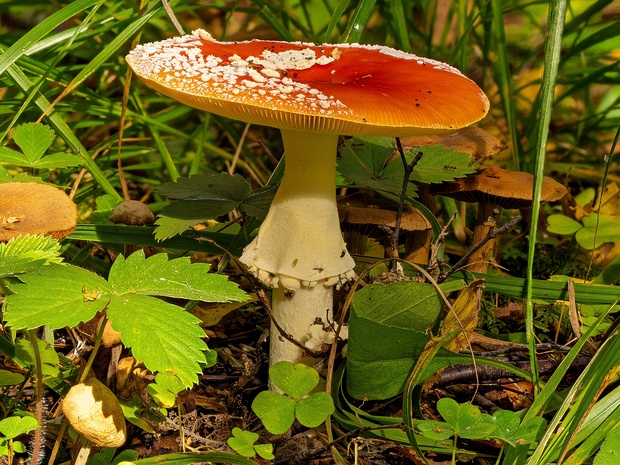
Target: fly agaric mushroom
<point>312,94</point>
<point>33,208</point>
<point>495,188</point>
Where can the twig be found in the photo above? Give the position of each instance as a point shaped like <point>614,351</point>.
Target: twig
<point>435,261</point>
<point>307,454</point>
<point>172,17</point>
<point>408,168</point>
<point>492,234</point>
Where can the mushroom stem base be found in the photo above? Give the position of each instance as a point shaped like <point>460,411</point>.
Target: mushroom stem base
<point>295,312</point>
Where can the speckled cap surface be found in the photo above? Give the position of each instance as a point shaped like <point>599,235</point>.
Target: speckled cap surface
<point>32,208</point>
<point>343,89</point>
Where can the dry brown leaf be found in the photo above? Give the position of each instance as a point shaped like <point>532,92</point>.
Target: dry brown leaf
<point>464,316</point>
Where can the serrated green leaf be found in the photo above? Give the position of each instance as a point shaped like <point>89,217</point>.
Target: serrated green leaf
<point>25,253</point>
<point>58,161</point>
<point>13,157</point>
<point>169,227</point>
<point>294,380</point>
<point>364,163</point>
<point>257,202</point>
<point>105,206</point>
<point>62,296</point>
<point>58,296</point>
<point>34,139</point>
<point>12,427</point>
<point>313,410</point>
<point>164,336</point>
<point>609,453</point>
<point>277,412</point>
<point>177,278</point>
<point>439,164</point>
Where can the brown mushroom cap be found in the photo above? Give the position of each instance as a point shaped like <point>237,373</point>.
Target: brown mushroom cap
<point>497,186</point>
<point>477,143</point>
<point>132,213</point>
<point>336,89</point>
<point>362,209</point>
<point>32,208</point>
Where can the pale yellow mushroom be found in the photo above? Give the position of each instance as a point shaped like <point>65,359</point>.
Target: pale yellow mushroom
<point>95,412</point>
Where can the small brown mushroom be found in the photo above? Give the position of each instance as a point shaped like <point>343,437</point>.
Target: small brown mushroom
<point>132,213</point>
<point>33,208</point>
<point>362,215</point>
<point>95,412</point>
<point>479,144</point>
<point>495,188</point>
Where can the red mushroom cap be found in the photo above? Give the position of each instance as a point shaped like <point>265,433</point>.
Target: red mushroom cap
<point>338,89</point>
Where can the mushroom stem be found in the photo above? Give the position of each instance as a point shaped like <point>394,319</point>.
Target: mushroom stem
<point>488,215</point>
<point>295,313</point>
<point>299,250</point>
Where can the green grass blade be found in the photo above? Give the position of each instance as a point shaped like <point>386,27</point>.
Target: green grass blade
<point>144,236</point>
<point>357,23</point>
<point>41,30</point>
<point>504,80</point>
<point>580,399</point>
<point>399,26</point>
<point>333,22</point>
<point>553,49</point>
<point>272,20</point>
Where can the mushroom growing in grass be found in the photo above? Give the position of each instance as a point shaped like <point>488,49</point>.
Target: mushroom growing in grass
<point>312,94</point>
<point>34,208</point>
<point>494,188</point>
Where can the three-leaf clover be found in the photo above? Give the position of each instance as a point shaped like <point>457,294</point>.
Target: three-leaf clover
<point>278,411</point>
<point>34,139</point>
<point>462,420</point>
<point>510,430</point>
<point>242,442</point>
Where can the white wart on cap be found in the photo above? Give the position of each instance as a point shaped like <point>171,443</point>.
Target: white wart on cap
<point>347,89</point>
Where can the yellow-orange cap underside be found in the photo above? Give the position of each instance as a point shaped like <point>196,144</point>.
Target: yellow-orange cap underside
<point>350,90</point>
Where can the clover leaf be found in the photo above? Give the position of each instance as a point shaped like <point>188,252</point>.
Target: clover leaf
<point>278,411</point>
